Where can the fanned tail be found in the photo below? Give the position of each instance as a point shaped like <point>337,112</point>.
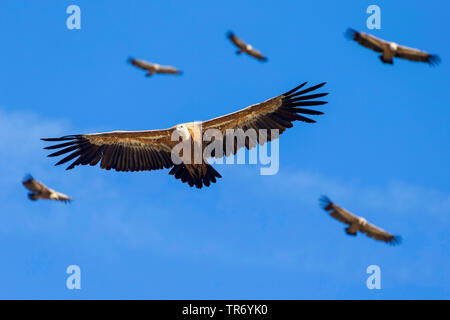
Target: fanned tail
<point>199,179</point>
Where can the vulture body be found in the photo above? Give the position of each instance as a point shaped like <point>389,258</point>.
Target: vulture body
<point>40,191</point>
<point>152,68</point>
<point>152,150</point>
<point>389,50</point>
<point>356,223</point>
<point>245,48</point>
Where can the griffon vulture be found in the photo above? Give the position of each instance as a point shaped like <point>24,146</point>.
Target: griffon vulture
<point>390,50</point>
<point>152,68</point>
<point>244,47</point>
<point>152,150</point>
<point>356,223</point>
<point>40,191</point>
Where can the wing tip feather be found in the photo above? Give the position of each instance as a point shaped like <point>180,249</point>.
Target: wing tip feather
<point>324,202</point>
<point>28,177</point>
<point>230,34</point>
<point>63,138</point>
<point>396,240</point>
<point>295,89</point>
<point>350,33</point>
<point>434,60</point>
<point>132,60</point>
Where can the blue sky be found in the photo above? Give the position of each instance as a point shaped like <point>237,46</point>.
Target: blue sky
<point>381,150</point>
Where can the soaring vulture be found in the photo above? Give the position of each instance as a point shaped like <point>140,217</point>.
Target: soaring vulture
<point>152,150</point>
<point>244,47</point>
<point>40,191</point>
<point>390,50</point>
<point>356,223</point>
<point>152,68</point>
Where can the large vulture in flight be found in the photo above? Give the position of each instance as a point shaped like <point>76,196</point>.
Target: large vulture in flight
<point>389,50</point>
<point>244,47</point>
<point>152,68</point>
<point>356,223</point>
<point>152,150</point>
<point>40,191</point>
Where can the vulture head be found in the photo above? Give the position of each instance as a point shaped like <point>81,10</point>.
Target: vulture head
<point>183,131</point>
<point>393,46</point>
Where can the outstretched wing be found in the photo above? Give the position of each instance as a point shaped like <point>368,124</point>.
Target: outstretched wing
<point>236,41</point>
<point>366,40</point>
<point>258,55</point>
<point>62,197</point>
<point>33,185</point>
<point>276,113</point>
<point>417,55</point>
<point>119,150</point>
<point>379,234</point>
<point>141,64</point>
<point>168,70</point>
<point>337,212</point>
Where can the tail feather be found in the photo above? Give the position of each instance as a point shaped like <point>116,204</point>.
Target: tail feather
<point>386,61</point>
<point>347,230</point>
<point>32,196</point>
<point>201,179</point>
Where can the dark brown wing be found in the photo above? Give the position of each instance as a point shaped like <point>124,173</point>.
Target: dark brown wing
<point>276,113</point>
<point>417,55</point>
<point>119,150</point>
<point>337,212</point>
<point>236,41</point>
<point>141,64</point>
<point>379,234</point>
<point>366,40</point>
<point>33,185</point>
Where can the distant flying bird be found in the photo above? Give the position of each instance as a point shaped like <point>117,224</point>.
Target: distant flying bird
<point>152,68</point>
<point>151,150</point>
<point>244,47</point>
<point>40,191</point>
<point>390,50</point>
<point>357,223</point>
